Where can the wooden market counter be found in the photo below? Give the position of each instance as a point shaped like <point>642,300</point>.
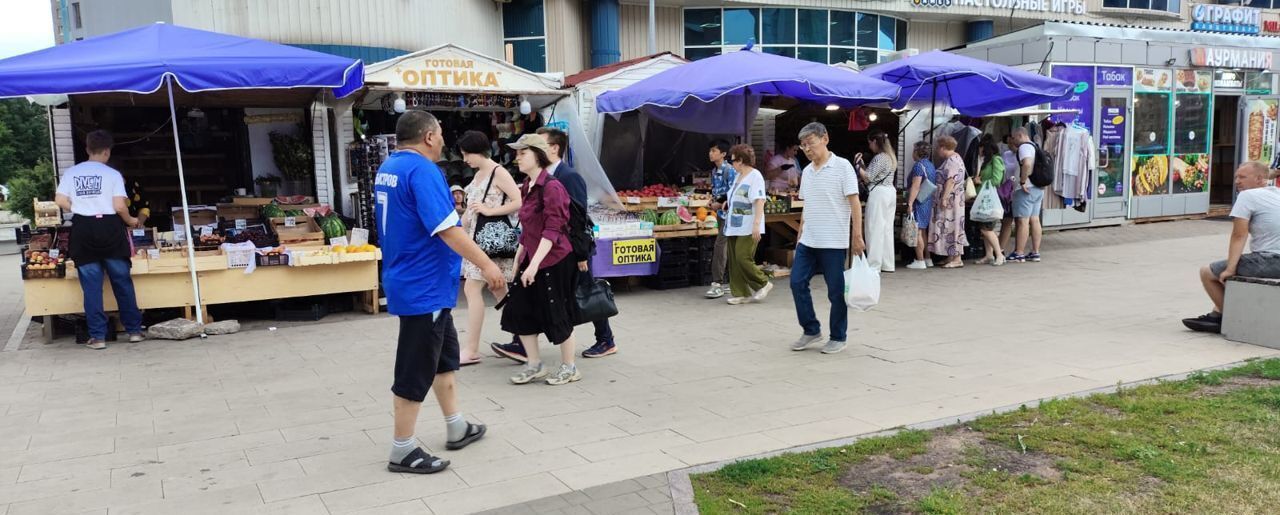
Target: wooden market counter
<point>172,288</point>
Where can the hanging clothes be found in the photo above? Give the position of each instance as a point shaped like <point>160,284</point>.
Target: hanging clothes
<point>1075,159</point>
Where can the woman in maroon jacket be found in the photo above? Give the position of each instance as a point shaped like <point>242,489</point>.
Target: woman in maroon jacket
<point>542,299</point>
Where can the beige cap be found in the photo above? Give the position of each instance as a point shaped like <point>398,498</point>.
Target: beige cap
<point>534,141</point>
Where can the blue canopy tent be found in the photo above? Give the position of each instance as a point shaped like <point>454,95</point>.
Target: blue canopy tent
<point>721,94</point>
<point>145,59</point>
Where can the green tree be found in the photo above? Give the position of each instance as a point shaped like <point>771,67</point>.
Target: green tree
<point>28,184</point>
<point>24,136</point>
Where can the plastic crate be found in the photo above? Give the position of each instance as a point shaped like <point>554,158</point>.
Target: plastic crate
<point>22,235</point>
<point>674,244</point>
<point>57,272</point>
<point>273,259</point>
<point>657,282</point>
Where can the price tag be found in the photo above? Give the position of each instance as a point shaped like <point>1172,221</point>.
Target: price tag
<point>633,200</point>
<point>54,253</point>
<point>206,231</point>
<point>290,221</point>
<point>338,240</point>
<point>153,253</point>
<point>139,232</point>
<point>241,224</point>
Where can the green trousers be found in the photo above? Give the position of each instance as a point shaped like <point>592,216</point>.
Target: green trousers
<point>744,276</point>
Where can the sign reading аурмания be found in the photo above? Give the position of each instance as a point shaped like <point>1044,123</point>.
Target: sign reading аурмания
<point>1076,7</point>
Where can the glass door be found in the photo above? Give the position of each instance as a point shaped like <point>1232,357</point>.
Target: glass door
<point>1114,154</point>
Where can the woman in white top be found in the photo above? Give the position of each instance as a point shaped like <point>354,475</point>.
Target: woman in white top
<point>492,192</point>
<point>882,201</point>
<point>745,227</point>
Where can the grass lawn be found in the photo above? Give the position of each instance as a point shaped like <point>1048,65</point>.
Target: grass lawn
<point>1209,444</point>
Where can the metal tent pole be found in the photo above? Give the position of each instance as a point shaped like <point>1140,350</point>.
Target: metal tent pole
<point>186,210</point>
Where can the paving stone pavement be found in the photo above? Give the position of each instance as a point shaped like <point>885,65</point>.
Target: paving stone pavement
<point>299,420</point>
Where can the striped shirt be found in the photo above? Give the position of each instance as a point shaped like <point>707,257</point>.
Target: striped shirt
<point>827,215</point>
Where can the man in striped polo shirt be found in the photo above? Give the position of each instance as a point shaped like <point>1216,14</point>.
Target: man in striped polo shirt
<point>829,188</point>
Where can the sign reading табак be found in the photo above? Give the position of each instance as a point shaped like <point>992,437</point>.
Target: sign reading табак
<point>633,252</point>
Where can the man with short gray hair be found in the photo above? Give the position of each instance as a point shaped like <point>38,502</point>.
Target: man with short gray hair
<point>1255,218</point>
<point>829,188</point>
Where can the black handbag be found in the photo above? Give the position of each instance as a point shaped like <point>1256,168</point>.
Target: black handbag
<point>496,235</point>
<point>595,300</point>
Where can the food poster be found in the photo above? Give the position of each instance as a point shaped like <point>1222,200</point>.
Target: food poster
<point>1111,139</point>
<point>1190,164</point>
<point>1152,80</point>
<point>1260,129</point>
<point>1151,175</point>
<point>1080,101</point>
<point>1194,81</point>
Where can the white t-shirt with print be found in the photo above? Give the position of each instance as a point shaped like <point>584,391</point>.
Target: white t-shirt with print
<point>827,214</point>
<point>92,186</point>
<point>742,197</point>
<point>1261,207</point>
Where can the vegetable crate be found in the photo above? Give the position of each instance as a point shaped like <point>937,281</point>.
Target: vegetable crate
<point>304,230</point>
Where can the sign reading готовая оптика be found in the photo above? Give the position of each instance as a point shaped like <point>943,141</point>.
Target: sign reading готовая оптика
<point>1077,7</point>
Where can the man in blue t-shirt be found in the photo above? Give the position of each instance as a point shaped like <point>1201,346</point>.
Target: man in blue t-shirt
<point>421,241</point>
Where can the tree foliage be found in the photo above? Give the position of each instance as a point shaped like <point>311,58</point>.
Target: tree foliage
<point>24,137</point>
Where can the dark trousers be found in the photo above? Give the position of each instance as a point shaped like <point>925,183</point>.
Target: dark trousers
<point>808,262</point>
<point>604,333</point>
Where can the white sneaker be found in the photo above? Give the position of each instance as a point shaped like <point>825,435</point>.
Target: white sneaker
<point>737,301</point>
<point>715,292</point>
<point>805,341</point>
<point>764,292</point>
<point>917,265</point>
<point>928,263</point>
<point>834,346</point>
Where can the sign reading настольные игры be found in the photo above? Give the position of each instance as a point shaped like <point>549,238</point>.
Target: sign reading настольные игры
<point>1226,18</point>
<point>1231,58</point>
<point>1076,7</point>
<point>634,252</point>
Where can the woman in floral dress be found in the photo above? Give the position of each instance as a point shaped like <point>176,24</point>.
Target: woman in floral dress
<point>492,192</point>
<point>946,233</point>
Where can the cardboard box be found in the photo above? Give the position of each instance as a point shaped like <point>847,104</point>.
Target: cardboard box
<point>201,215</point>
<point>783,257</point>
<point>305,231</point>
<point>239,211</point>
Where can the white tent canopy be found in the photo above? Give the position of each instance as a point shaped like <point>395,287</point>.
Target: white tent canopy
<point>453,69</point>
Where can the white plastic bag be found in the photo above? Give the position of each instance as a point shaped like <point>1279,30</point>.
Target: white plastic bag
<point>986,206</point>
<point>861,285</point>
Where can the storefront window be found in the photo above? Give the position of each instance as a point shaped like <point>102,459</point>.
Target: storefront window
<point>741,26</point>
<point>701,27</point>
<point>524,31</point>
<point>1171,6</point>
<point>1260,83</point>
<point>823,36</point>
<point>1192,110</point>
<point>779,26</point>
<point>1151,122</point>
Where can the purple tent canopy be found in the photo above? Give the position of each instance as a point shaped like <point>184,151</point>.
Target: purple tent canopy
<point>971,86</point>
<point>138,61</point>
<point>720,94</point>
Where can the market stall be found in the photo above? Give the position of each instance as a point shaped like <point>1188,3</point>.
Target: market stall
<point>240,250</point>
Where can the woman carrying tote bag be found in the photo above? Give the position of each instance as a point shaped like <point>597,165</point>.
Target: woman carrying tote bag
<point>492,197</point>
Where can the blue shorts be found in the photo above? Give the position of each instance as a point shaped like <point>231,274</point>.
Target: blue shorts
<point>1027,204</point>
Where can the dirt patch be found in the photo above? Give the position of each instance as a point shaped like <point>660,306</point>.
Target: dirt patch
<point>947,459</point>
<point>1232,384</point>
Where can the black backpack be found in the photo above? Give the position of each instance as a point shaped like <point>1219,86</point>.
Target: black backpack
<point>1042,170</point>
<point>580,231</point>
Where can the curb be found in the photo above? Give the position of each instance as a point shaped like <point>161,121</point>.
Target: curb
<point>682,489</point>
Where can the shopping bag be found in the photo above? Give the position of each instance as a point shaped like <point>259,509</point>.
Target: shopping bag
<point>986,206</point>
<point>595,300</point>
<point>861,285</point>
<point>910,231</point>
<point>969,191</point>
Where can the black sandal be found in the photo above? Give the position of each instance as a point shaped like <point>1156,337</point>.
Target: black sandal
<point>474,432</point>
<point>419,462</point>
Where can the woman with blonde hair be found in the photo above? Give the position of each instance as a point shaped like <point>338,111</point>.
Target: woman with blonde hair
<point>882,201</point>
<point>946,232</point>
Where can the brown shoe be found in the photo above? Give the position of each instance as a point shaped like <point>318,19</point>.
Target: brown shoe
<point>96,344</point>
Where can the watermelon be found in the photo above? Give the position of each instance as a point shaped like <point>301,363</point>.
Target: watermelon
<point>650,216</point>
<point>669,218</point>
<point>332,226</point>
<point>294,212</point>
<point>272,211</point>
<point>684,214</point>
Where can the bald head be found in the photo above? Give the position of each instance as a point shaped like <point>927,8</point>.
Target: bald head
<point>1020,135</point>
<point>1251,175</point>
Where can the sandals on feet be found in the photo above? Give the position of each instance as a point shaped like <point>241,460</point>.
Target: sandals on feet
<point>474,432</point>
<point>469,362</point>
<point>419,462</point>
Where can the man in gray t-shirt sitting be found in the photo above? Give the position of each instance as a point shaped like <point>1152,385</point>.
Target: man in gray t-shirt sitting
<point>1256,214</point>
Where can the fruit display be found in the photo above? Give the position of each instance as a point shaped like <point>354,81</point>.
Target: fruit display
<point>777,206</point>
<point>332,226</point>
<point>40,265</point>
<point>701,214</point>
<point>352,249</point>
<point>210,240</point>
<point>272,211</point>
<point>656,190</point>
<point>684,214</point>
<point>669,218</point>
<point>257,234</point>
<point>650,216</point>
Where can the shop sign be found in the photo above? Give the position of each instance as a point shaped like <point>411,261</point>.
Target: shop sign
<point>448,73</point>
<point>1110,76</point>
<point>1081,99</point>
<point>1271,26</point>
<point>1231,58</point>
<point>1113,121</point>
<point>1076,7</point>
<point>634,252</point>
<point>1227,79</point>
<point>1226,18</point>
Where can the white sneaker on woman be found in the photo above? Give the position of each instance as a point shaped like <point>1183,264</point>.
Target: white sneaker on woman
<point>917,265</point>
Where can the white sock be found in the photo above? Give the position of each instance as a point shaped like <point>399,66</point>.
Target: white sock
<point>456,426</point>
<point>401,448</point>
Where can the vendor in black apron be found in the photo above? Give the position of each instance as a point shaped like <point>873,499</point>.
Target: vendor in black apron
<point>95,194</point>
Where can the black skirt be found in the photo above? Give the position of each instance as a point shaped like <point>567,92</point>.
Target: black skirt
<point>548,306</point>
<point>95,239</point>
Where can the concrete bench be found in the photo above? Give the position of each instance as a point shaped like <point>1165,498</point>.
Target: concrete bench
<point>1251,311</point>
